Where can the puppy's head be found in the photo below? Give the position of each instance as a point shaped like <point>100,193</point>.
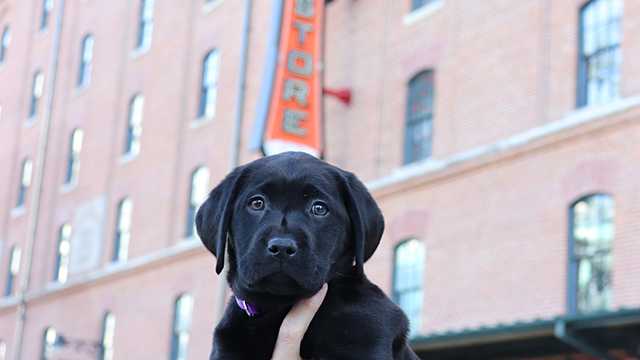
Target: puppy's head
<point>291,222</point>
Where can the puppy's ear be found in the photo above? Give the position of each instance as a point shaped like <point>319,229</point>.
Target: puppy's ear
<point>367,222</point>
<point>214,216</point>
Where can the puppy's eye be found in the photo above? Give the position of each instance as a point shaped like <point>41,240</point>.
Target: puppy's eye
<point>256,203</point>
<point>319,209</point>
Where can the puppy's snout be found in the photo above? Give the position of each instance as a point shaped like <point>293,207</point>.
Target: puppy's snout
<point>282,247</point>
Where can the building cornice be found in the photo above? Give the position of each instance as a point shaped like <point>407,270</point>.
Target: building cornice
<point>571,126</point>
<point>184,249</point>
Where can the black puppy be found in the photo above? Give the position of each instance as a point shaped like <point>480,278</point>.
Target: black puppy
<point>292,223</point>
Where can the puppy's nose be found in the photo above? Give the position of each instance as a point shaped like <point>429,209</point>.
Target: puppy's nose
<point>282,247</point>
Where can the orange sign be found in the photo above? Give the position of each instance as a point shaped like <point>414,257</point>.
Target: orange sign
<point>295,113</point>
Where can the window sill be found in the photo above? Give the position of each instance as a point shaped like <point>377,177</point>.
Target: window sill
<point>140,51</point>
<point>422,13</point>
<point>30,122</point>
<point>200,122</point>
<point>68,187</point>
<point>18,211</point>
<point>209,6</point>
<point>128,157</point>
<point>80,90</point>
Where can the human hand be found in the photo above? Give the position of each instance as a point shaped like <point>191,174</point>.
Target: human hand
<point>295,325</point>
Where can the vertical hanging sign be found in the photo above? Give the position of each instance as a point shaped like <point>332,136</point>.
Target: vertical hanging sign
<point>294,120</point>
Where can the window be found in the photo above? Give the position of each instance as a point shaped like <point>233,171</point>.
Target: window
<point>86,59</point>
<point>47,6</point>
<point>600,55</point>
<point>419,126</point>
<point>4,44</point>
<point>73,162</point>
<point>49,337</point>
<point>197,195</point>
<point>407,281</point>
<point>590,240</point>
<point>108,333</point>
<point>25,181</point>
<point>3,350</point>
<point>61,272</point>
<point>14,268</point>
<point>417,4</point>
<point>36,93</point>
<point>145,25</point>
<point>181,326</point>
<point>123,230</point>
<point>209,85</point>
<point>134,126</point>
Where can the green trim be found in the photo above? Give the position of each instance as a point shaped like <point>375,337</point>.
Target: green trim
<point>537,328</point>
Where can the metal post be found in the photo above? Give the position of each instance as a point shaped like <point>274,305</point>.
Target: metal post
<point>40,160</point>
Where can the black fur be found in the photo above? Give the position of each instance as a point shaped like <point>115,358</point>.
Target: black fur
<point>356,319</point>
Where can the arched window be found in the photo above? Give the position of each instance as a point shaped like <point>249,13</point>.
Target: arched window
<point>37,89</point>
<point>419,121</point>
<point>61,272</point>
<point>181,326</point>
<point>209,84</point>
<point>108,333</point>
<point>25,181</point>
<point>123,230</point>
<point>408,272</point>
<point>73,161</point>
<point>134,125</point>
<point>86,61</point>
<point>49,337</point>
<point>590,239</point>
<point>47,6</point>
<point>4,44</point>
<point>197,195</point>
<point>145,24</point>
<point>600,55</point>
<point>13,270</point>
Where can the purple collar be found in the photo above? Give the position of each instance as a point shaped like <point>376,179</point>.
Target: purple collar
<point>248,308</point>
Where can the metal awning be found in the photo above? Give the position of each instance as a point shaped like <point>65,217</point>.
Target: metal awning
<point>595,334</point>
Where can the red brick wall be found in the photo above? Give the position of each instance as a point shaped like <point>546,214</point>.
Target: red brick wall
<point>495,227</point>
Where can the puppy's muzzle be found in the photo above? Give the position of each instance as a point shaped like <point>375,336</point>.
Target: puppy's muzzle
<point>283,248</point>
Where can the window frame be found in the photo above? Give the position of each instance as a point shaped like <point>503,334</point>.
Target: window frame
<point>61,269</point>
<point>37,90</point>
<point>3,350</point>
<point>122,234</point>
<point>413,121</point>
<point>135,117</point>
<point>24,183</point>
<point>47,8</point>
<point>46,343</point>
<point>76,141</point>
<point>192,202</point>
<point>175,332</point>
<point>144,36</point>
<point>107,338</point>
<point>572,263</point>
<point>395,294</point>
<point>209,79</point>
<point>5,41</point>
<point>582,91</point>
<point>15,255</point>
<point>85,65</point>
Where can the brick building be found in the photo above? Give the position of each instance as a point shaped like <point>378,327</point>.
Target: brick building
<point>500,138</point>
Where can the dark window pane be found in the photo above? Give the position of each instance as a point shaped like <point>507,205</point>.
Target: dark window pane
<point>592,235</point>
<point>419,122</point>
<point>600,56</point>
<point>408,275</point>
